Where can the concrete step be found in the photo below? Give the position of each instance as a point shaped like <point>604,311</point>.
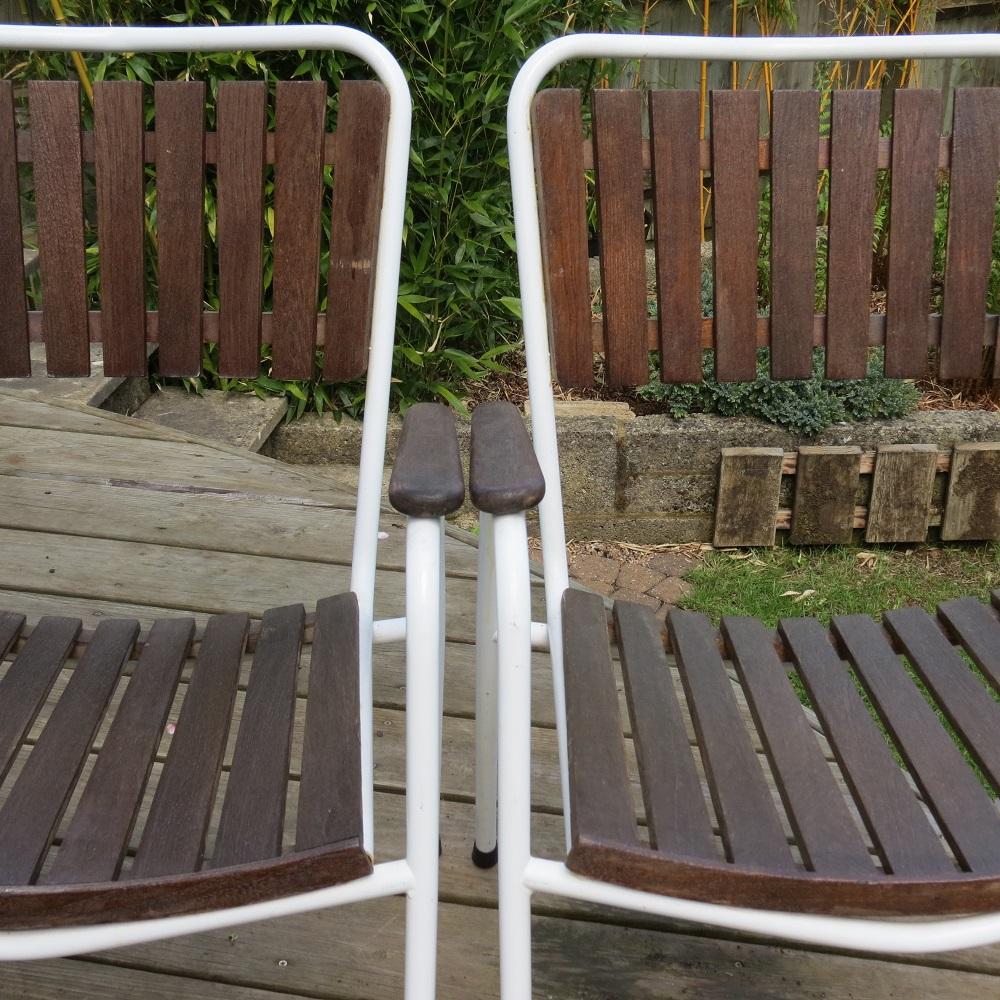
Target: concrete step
<point>112,393</point>
<point>240,419</point>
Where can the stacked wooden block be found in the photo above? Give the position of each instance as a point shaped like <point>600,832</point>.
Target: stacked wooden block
<point>829,500</point>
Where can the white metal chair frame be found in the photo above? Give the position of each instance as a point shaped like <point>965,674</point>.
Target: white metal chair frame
<point>506,634</point>
<point>417,874</point>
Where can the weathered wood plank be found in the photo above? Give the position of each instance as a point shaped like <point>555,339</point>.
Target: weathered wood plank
<point>562,202</point>
<point>673,118</point>
<point>186,580</point>
<point>14,357</point>
<point>240,108</point>
<point>972,511</point>
<point>600,802</point>
<point>853,154</point>
<point>57,175</point>
<point>362,128</point>
<point>825,485</point>
<point>617,137</point>
<point>283,527</point>
<point>973,185</point>
<point>298,192</point>
<point>180,180</point>
<point>747,504</point>
<point>916,127</point>
<point>900,505</point>
<point>793,231</point>
<point>120,224</point>
<point>17,409</point>
<point>205,467</point>
<point>734,200</point>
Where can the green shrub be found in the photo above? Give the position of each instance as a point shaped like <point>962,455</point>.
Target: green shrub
<point>458,293</point>
<point>806,406</point>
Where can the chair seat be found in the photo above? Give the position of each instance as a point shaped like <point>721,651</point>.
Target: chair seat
<point>112,812</point>
<point>877,798</point>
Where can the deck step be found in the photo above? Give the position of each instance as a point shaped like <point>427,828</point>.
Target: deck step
<point>96,390</point>
<point>240,419</point>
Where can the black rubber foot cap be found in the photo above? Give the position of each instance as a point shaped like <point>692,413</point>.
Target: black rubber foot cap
<point>484,859</point>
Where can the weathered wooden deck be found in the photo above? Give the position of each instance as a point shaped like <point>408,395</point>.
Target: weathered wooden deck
<point>101,515</point>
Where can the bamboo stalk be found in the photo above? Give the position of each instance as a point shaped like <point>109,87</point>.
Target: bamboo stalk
<point>78,63</point>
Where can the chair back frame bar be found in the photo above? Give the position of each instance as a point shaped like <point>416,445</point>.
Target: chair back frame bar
<point>529,241</point>
<point>312,37</point>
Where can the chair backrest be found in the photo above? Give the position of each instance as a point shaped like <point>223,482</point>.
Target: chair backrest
<point>549,157</point>
<point>667,170</point>
<point>157,180</point>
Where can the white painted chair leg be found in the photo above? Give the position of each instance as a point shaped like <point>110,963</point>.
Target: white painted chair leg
<point>513,593</point>
<point>484,848</point>
<point>423,751</point>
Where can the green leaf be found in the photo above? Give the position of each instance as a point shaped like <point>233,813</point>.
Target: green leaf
<point>512,304</point>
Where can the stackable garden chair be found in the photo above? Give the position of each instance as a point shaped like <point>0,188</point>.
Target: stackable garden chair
<point>849,838</point>
<point>118,873</point>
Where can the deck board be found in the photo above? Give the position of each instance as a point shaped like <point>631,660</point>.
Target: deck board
<point>141,521</point>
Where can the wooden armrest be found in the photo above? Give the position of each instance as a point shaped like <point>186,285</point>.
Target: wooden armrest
<point>427,474</point>
<point>504,477</point>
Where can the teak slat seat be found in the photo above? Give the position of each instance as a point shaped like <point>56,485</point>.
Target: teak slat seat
<point>160,783</point>
<point>69,858</point>
<point>933,854</point>
<point>799,780</point>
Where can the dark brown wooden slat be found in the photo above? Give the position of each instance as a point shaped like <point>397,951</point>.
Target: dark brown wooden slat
<point>557,125</point>
<point>180,181</point>
<point>57,175</point>
<point>300,119</point>
<point>673,124</point>
<point>824,828</point>
<point>93,847</point>
<point>898,827</point>
<point>977,628</point>
<point>15,360</point>
<point>916,133</point>
<point>826,481</point>
<point>358,169</point>
<point>795,126</point>
<point>676,814</point>
<point>734,249</point>
<point>751,828</point>
<point>747,503</point>
<point>32,811</point>
<point>617,118</point>
<point>330,787</point>
<point>10,628</point>
<point>975,166</point>
<point>253,812</point>
<point>118,127</point>
<point>240,222</point>
<point>174,835</point>
<point>130,899</point>
<point>972,506</point>
<point>961,695</point>
<point>950,787</point>
<point>27,682</point>
<point>853,157</point>
<point>601,808</point>
<point>902,489</point>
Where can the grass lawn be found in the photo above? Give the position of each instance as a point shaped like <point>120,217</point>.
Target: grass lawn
<point>771,584</point>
